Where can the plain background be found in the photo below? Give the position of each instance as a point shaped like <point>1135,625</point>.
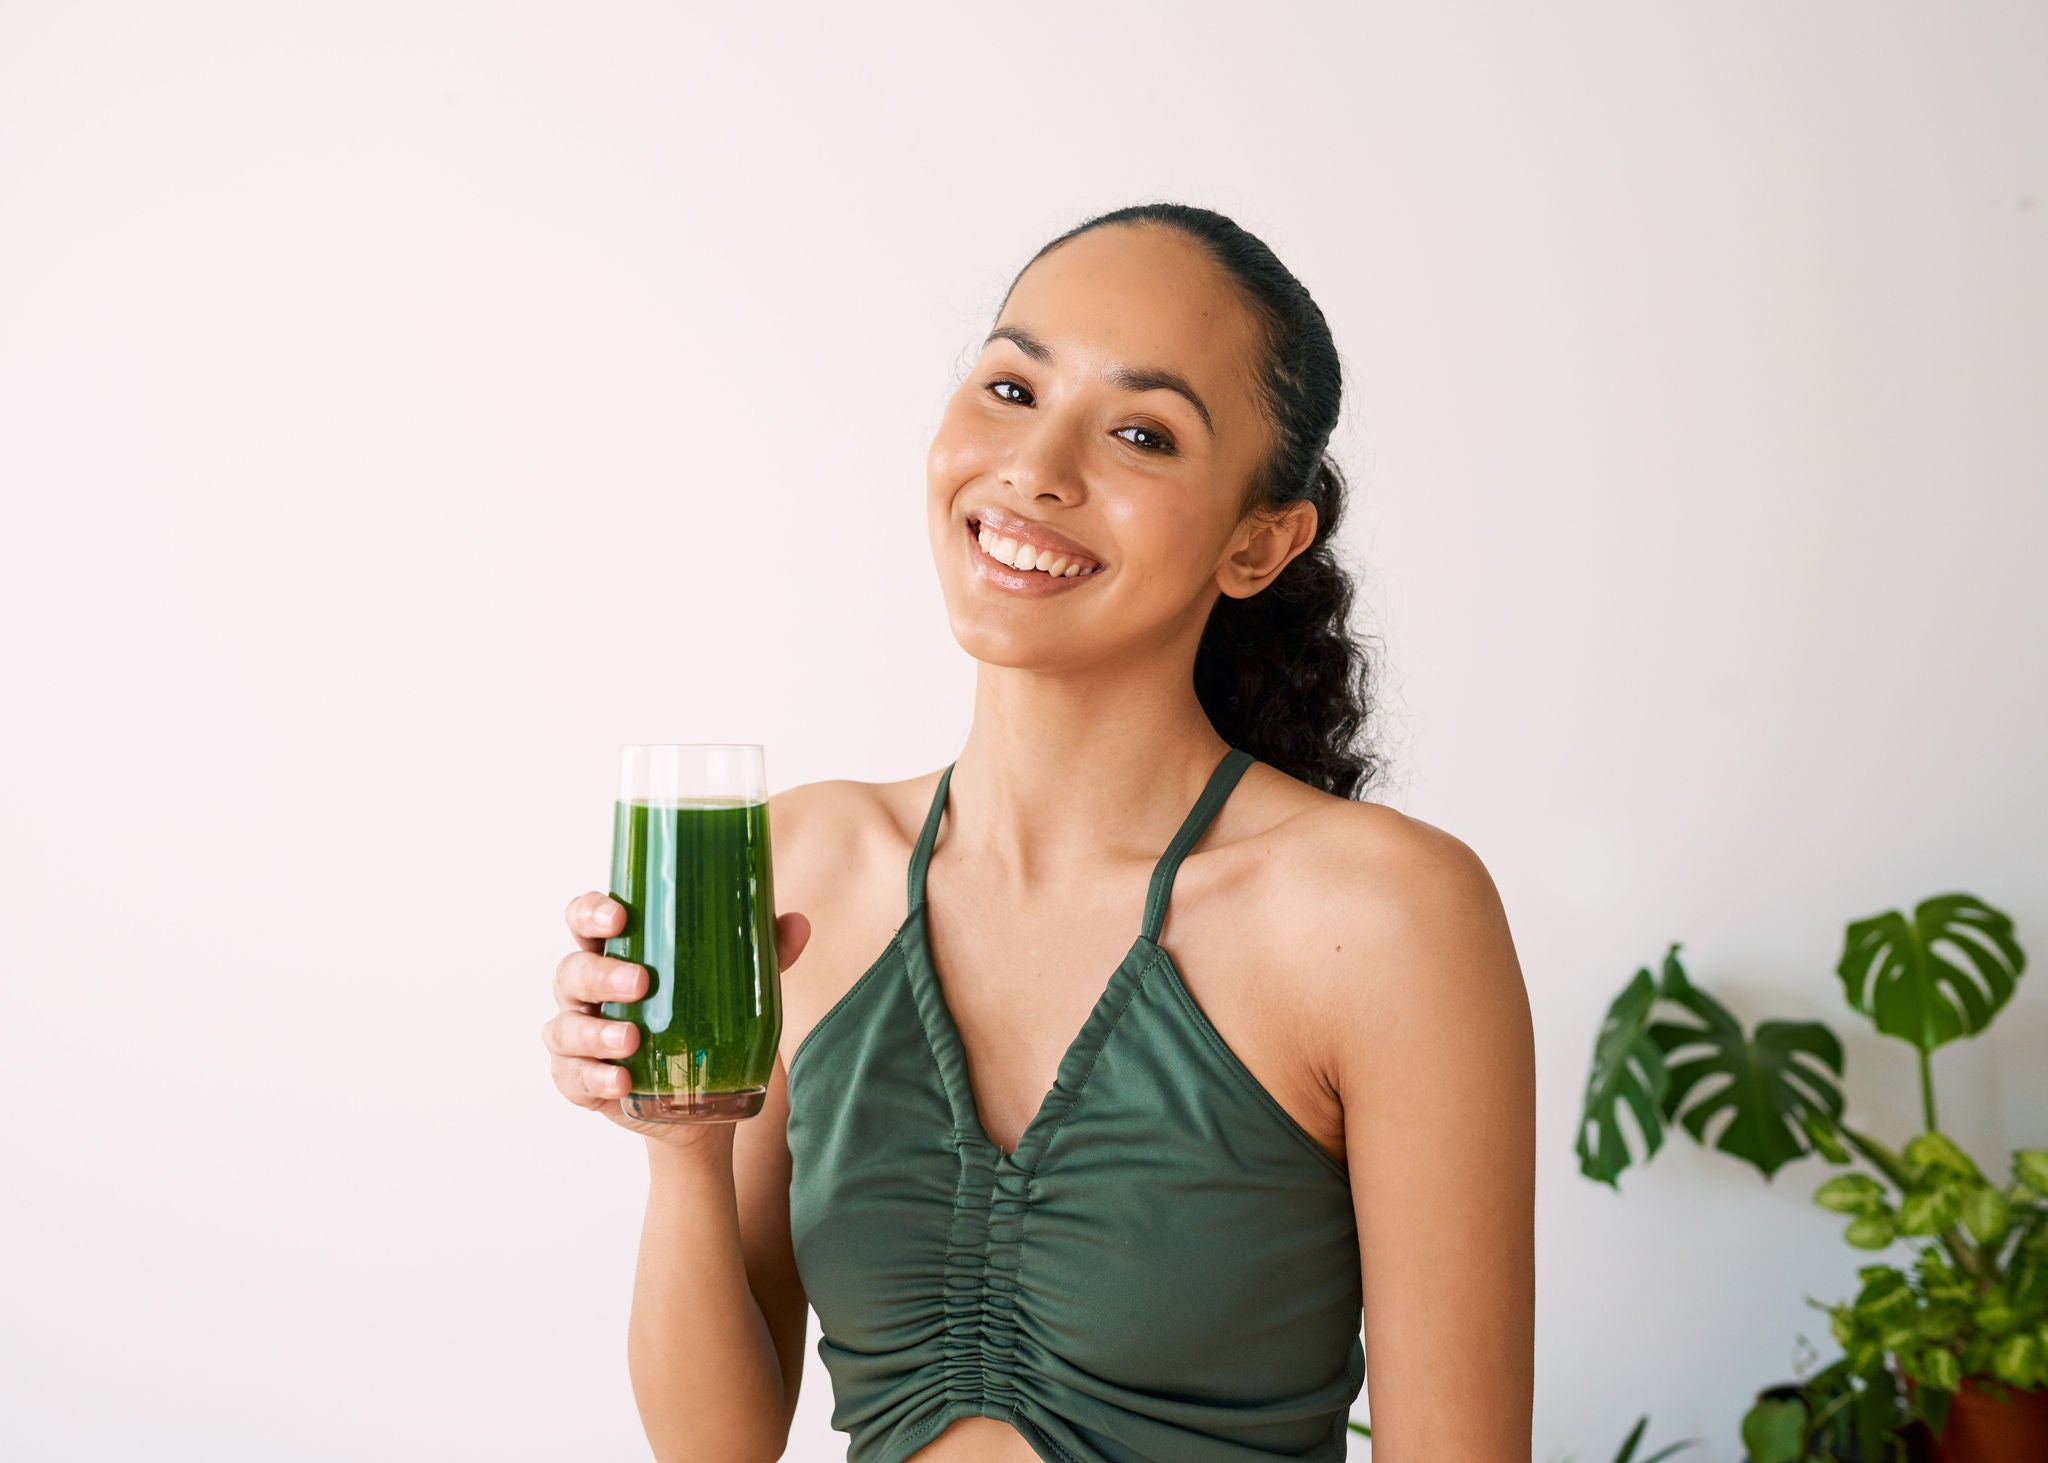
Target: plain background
<point>402,405</point>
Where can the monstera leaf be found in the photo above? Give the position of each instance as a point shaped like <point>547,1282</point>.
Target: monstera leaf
<point>1770,1090</point>
<point>1627,1067</point>
<point>1778,1086</point>
<point>1940,975</point>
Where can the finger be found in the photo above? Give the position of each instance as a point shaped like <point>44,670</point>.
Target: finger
<point>584,978</point>
<point>587,1083</point>
<point>792,933</point>
<point>593,918</point>
<point>572,1034</point>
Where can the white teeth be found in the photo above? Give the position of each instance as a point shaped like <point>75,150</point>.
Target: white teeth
<point>1022,556</point>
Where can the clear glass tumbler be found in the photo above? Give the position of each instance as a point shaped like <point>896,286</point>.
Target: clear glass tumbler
<point>690,864</point>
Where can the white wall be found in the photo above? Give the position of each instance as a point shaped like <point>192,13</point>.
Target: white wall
<point>401,405</point>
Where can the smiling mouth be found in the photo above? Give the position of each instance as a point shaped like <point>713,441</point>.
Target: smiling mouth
<point>1015,554</point>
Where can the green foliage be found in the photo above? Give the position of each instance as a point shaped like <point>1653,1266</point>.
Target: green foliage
<point>1635,1436</point>
<point>1770,1091</point>
<point>1841,1412</point>
<point>1776,1080</point>
<point>1775,1431</point>
<point>1627,1067</point>
<point>1974,1300</point>
<point>1903,973</point>
<point>1972,1303</point>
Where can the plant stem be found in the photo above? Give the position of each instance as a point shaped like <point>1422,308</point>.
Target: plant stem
<point>1881,1157</point>
<point>1926,1085</point>
<point>1966,1258</point>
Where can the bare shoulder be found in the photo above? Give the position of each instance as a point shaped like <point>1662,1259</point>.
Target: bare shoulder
<point>820,827</point>
<point>1393,920</point>
<point>839,848</point>
<point>815,824</point>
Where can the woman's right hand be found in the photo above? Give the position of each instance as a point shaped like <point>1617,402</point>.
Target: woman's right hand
<point>583,1043</point>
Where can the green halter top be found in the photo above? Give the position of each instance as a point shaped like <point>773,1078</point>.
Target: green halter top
<point>1164,1271</point>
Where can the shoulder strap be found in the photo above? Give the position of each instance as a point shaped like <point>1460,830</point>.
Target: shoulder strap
<point>922,854</point>
<point>1221,781</point>
<point>1219,787</point>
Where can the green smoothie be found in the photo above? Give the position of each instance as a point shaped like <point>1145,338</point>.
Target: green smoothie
<point>695,880</point>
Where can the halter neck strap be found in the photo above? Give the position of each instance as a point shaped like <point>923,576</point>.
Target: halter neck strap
<point>922,855</point>
<point>1218,787</point>
<point>1221,781</point>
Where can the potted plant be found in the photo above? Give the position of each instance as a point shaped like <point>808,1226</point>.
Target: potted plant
<point>1837,1415</point>
<point>1965,1326</point>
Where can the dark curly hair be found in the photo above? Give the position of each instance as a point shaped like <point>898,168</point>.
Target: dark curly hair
<point>1280,673</point>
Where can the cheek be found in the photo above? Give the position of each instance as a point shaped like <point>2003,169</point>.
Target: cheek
<point>1166,553</point>
<point>961,449</point>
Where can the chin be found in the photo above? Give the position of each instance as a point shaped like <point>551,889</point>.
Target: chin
<point>1013,641</point>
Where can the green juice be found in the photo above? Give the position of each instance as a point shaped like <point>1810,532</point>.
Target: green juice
<point>700,916</point>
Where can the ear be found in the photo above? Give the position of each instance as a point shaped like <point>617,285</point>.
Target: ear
<point>1263,546</point>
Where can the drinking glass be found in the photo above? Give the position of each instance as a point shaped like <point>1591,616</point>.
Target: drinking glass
<point>690,864</point>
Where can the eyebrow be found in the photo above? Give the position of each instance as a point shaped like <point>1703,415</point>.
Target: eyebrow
<point>1131,378</point>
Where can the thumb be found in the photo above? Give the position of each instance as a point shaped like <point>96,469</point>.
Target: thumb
<point>792,934</point>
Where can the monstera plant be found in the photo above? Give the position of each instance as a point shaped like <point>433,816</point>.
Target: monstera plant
<point>1965,1326</point>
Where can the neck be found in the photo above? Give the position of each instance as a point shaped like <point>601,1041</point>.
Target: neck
<point>1058,773</point>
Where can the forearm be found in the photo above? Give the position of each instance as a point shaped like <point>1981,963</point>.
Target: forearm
<point>703,1364</point>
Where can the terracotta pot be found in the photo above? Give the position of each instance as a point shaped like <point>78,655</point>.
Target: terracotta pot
<point>1981,1429</point>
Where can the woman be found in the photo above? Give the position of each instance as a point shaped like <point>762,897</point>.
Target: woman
<point>1043,1214</point>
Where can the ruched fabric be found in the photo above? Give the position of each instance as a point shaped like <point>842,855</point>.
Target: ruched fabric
<point>1164,1270</point>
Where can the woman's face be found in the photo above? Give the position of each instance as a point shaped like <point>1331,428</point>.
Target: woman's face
<point>1111,423</point>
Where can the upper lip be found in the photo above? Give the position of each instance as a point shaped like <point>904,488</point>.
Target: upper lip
<point>1025,531</point>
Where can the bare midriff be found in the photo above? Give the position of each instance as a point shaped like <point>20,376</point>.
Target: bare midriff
<point>976,1440</point>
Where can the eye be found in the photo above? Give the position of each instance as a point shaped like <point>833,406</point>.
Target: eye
<point>1158,441</point>
<point>1165,443</point>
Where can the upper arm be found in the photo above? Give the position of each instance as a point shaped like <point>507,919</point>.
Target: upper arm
<point>1436,1070</point>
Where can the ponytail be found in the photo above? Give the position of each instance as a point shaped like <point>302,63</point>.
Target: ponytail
<point>1280,673</point>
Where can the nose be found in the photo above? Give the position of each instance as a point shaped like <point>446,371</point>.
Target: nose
<point>1044,458</point>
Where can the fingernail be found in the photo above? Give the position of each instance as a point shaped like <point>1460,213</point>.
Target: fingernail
<point>626,980</point>
<point>616,1036</point>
